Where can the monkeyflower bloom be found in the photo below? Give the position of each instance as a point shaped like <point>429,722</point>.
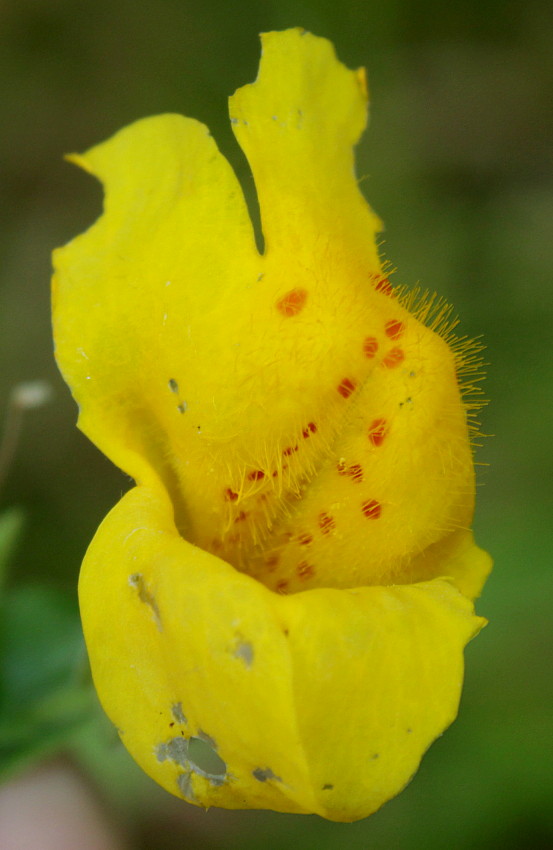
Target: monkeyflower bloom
<point>289,583</point>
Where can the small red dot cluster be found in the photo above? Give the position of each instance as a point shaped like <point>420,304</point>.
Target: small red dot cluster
<point>371,509</point>
<point>292,302</point>
<point>378,430</point>
<point>354,471</point>
<point>370,346</point>
<point>326,523</point>
<point>346,387</point>
<point>393,358</point>
<point>382,284</point>
<point>305,570</point>
<point>394,329</point>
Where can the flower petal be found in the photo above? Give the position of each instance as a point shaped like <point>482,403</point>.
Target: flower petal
<point>297,125</point>
<point>322,702</point>
<point>136,293</point>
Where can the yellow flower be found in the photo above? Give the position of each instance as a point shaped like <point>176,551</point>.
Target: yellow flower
<point>290,580</point>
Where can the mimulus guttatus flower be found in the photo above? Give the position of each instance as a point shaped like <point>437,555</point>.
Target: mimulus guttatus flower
<point>289,584</point>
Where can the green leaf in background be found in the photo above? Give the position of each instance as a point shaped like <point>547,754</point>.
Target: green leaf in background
<point>45,692</point>
<point>11,523</point>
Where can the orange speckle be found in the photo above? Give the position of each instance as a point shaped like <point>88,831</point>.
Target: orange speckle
<point>394,328</point>
<point>292,302</point>
<point>305,570</point>
<point>289,450</point>
<point>241,516</point>
<point>394,357</point>
<point>370,346</point>
<point>256,475</point>
<point>305,539</point>
<point>326,523</point>
<point>371,509</point>
<point>346,387</point>
<point>311,429</point>
<point>282,586</point>
<point>355,471</point>
<point>382,284</point>
<point>230,495</point>
<point>271,561</point>
<point>378,430</point>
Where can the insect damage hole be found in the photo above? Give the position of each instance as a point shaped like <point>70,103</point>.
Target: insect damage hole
<point>204,760</point>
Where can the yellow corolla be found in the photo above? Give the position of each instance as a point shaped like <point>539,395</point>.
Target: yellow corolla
<point>289,584</point>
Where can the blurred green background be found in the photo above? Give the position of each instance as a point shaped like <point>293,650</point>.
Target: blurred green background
<point>459,164</point>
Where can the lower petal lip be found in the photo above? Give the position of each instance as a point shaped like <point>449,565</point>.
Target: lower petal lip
<point>325,670</point>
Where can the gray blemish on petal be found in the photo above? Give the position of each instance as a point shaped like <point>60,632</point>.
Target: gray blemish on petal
<point>204,760</point>
<point>177,712</point>
<point>136,580</point>
<point>245,652</point>
<point>328,787</point>
<point>215,779</point>
<point>173,385</point>
<point>182,407</point>
<point>175,750</point>
<point>207,739</point>
<point>375,756</point>
<point>262,774</point>
<point>184,781</point>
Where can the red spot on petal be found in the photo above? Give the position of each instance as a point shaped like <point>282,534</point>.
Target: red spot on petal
<point>311,429</point>
<point>326,523</point>
<point>216,544</point>
<point>394,328</point>
<point>382,284</point>
<point>378,430</point>
<point>230,495</point>
<point>282,586</point>
<point>305,539</point>
<point>371,509</point>
<point>354,471</point>
<point>256,475</point>
<point>305,570</point>
<point>394,357</point>
<point>271,561</point>
<point>346,387</point>
<point>292,302</point>
<point>241,516</point>
<point>370,346</point>
<point>289,450</point>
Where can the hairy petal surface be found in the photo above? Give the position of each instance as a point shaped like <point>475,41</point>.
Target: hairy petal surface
<point>322,701</point>
<point>299,416</point>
